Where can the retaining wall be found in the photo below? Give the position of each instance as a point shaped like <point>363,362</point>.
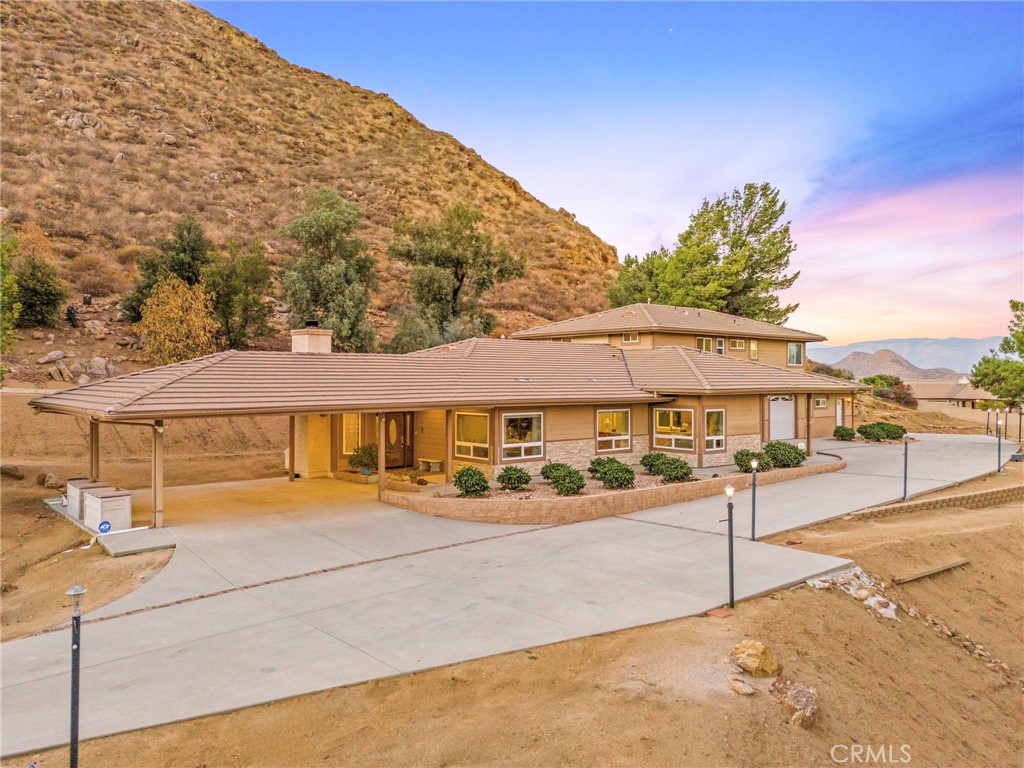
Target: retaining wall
<point>969,500</point>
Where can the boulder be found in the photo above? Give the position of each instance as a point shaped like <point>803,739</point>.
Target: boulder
<point>53,482</point>
<point>51,357</point>
<point>12,472</point>
<point>738,686</point>
<point>799,699</point>
<point>756,658</point>
<point>169,139</point>
<point>98,366</point>
<point>64,372</point>
<point>119,158</point>
<point>83,379</point>
<point>96,327</point>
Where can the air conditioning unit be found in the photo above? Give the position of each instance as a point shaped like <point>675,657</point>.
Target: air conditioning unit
<point>77,486</point>
<point>108,505</point>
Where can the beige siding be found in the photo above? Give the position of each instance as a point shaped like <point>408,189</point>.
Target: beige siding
<point>569,422</point>
<point>429,435</point>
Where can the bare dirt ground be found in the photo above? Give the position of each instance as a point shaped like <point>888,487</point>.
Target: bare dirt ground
<point>870,408</point>
<point>660,696</point>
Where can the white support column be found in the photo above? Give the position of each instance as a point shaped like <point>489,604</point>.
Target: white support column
<point>449,445</point>
<point>810,417</point>
<point>335,433</point>
<point>94,451</point>
<point>381,434</point>
<point>291,449</point>
<point>158,474</point>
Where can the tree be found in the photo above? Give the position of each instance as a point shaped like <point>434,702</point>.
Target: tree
<point>237,282</point>
<point>177,322</point>
<point>184,254</point>
<point>414,332</point>
<point>10,307</point>
<point>454,264</point>
<point>329,281</point>
<point>1002,371</point>
<point>731,258</point>
<point>40,292</point>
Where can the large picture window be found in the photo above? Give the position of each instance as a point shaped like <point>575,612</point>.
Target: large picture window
<point>613,430</point>
<point>472,435</point>
<point>522,435</point>
<point>714,430</point>
<point>673,428</point>
<point>350,432</point>
<point>794,353</point>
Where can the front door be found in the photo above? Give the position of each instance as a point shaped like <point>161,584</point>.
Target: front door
<point>397,440</point>
<point>839,412</point>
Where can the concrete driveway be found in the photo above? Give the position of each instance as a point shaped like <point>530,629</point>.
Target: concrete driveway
<point>398,592</point>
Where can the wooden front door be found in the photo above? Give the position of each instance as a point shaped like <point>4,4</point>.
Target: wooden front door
<point>397,440</point>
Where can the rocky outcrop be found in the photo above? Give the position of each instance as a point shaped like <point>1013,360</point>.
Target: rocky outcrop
<point>756,658</point>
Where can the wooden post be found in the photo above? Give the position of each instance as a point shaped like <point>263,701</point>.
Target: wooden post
<point>698,431</point>
<point>335,418</point>
<point>158,474</point>
<point>449,445</point>
<point>291,449</point>
<point>94,451</point>
<point>808,419</point>
<point>380,453</point>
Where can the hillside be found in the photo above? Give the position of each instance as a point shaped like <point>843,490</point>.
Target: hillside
<point>119,117</point>
<point>862,364</point>
<point>958,354</point>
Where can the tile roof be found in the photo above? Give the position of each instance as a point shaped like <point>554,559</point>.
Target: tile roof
<point>947,389</point>
<point>659,317</point>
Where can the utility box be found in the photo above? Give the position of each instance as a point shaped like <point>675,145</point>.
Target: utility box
<point>108,505</point>
<point>77,486</point>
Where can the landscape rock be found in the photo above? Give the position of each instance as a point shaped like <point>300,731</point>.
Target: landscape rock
<point>52,481</point>
<point>756,658</point>
<point>51,357</point>
<point>741,688</point>
<point>119,158</point>
<point>98,366</point>
<point>96,328</point>
<point>83,379</point>
<point>169,139</point>
<point>38,335</point>
<point>41,478</point>
<point>798,698</point>
<point>11,471</point>
<point>63,371</point>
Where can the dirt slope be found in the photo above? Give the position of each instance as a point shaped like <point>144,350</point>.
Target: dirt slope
<point>119,117</point>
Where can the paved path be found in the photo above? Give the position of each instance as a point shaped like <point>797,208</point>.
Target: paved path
<point>405,592</point>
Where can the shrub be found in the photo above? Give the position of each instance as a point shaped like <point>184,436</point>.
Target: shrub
<point>883,380</point>
<point>238,281</point>
<point>827,370</point>
<point>177,322</point>
<point>364,457</point>
<point>548,471</point>
<point>653,462</point>
<point>674,470</point>
<point>782,454</point>
<point>898,393</point>
<point>881,430</point>
<point>743,457</point>
<point>615,474</point>
<point>568,481</point>
<point>471,482</point>
<point>599,463</point>
<point>40,293</point>
<point>513,478</point>
<point>843,433</point>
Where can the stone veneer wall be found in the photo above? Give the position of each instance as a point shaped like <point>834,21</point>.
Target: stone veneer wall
<point>733,443</point>
<point>578,454</point>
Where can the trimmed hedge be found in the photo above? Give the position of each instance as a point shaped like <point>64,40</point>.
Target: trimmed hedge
<point>471,482</point>
<point>513,478</point>
<point>554,468</point>
<point>783,454</point>
<point>615,474</point>
<point>598,464</point>
<point>653,462</point>
<point>674,470</point>
<point>743,457</point>
<point>843,433</point>
<point>881,430</point>
<point>568,481</point>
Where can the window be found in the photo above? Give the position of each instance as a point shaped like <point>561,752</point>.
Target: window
<point>720,346</point>
<point>821,402</point>
<point>631,338</point>
<point>350,432</point>
<point>522,435</point>
<point>794,353</point>
<point>714,430</point>
<point>613,430</point>
<point>753,349</point>
<point>673,428</point>
<point>737,343</point>
<point>472,435</point>
<point>705,345</point>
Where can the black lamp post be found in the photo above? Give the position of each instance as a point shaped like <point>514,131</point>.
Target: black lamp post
<point>999,446</point>
<point>732,591</point>
<point>906,467</point>
<point>753,498</point>
<point>988,419</point>
<point>75,593</point>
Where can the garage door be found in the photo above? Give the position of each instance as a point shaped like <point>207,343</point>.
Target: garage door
<point>782,417</point>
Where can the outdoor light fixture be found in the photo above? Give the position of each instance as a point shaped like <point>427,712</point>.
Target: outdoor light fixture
<point>75,593</point>
<point>988,419</point>
<point>729,491</point>
<point>753,498</point>
<point>906,466</point>
<point>999,445</point>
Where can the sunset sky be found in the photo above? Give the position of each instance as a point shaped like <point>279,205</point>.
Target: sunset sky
<point>895,131</point>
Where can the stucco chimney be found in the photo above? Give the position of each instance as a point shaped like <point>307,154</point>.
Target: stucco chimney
<point>312,339</point>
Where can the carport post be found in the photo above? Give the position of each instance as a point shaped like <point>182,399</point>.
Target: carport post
<point>334,444</point>
<point>449,444</point>
<point>291,448</point>
<point>380,454</point>
<point>158,474</point>
<point>809,417</point>
<point>94,451</point>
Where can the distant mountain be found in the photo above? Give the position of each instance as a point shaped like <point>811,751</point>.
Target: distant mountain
<point>957,354</point>
<point>861,364</point>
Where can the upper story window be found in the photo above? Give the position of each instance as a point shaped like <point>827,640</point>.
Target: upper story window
<point>522,435</point>
<point>673,428</point>
<point>737,343</point>
<point>631,338</point>
<point>705,345</point>
<point>613,430</point>
<point>753,349</point>
<point>472,435</point>
<point>720,346</point>
<point>795,353</point>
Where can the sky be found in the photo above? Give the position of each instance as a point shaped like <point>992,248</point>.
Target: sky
<point>894,131</point>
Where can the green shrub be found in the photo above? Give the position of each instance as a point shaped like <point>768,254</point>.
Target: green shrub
<point>364,457</point>
<point>743,457</point>
<point>567,481</point>
<point>653,462</point>
<point>882,380</point>
<point>615,474</point>
<point>598,464</point>
<point>554,468</point>
<point>471,482</point>
<point>783,454</point>
<point>843,433</point>
<point>673,470</point>
<point>513,478</point>
<point>40,293</point>
<point>881,430</point>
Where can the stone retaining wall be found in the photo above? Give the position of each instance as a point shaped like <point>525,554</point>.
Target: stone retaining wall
<point>968,500</point>
<point>575,509</point>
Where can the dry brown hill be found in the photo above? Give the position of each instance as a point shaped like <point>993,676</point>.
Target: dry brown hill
<point>120,116</point>
<point>862,364</point>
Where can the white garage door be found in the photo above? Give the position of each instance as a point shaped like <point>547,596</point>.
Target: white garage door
<point>782,417</point>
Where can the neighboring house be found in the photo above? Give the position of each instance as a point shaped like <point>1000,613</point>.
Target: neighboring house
<point>483,402</point>
<point>644,326</point>
<point>959,392</point>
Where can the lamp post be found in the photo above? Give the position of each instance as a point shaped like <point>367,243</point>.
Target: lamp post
<point>999,446</point>
<point>732,591</point>
<point>906,467</point>
<point>988,419</point>
<point>75,593</point>
<point>753,498</point>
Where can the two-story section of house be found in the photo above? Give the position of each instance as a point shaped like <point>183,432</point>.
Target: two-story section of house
<point>646,326</point>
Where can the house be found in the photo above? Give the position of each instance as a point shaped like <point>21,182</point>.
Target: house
<point>645,326</point>
<point>957,392</point>
<point>487,403</point>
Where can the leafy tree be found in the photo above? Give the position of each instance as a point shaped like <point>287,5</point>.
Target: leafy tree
<point>731,258</point>
<point>178,322</point>
<point>184,254</point>
<point>10,307</point>
<point>882,380</point>
<point>238,281</point>
<point>40,292</point>
<point>414,332</point>
<point>329,281</point>
<point>454,264</point>
<point>1002,371</point>
<point>823,369</point>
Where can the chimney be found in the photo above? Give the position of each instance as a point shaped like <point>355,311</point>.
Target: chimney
<point>312,339</point>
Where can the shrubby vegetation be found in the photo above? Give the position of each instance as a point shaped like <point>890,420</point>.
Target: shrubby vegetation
<point>783,454</point>
<point>1002,371</point>
<point>882,380</point>
<point>10,307</point>
<point>675,470</point>
<point>237,281</point>
<point>829,370</point>
<point>364,457</point>
<point>568,481</point>
<point>881,430</point>
<point>843,433</point>
<point>471,482</point>
<point>653,462</point>
<point>553,468</point>
<point>177,322</point>
<point>613,473</point>
<point>513,478</point>
<point>743,457</point>
<point>184,255</point>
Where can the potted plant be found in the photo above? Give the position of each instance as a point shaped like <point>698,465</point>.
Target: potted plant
<point>364,458</point>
